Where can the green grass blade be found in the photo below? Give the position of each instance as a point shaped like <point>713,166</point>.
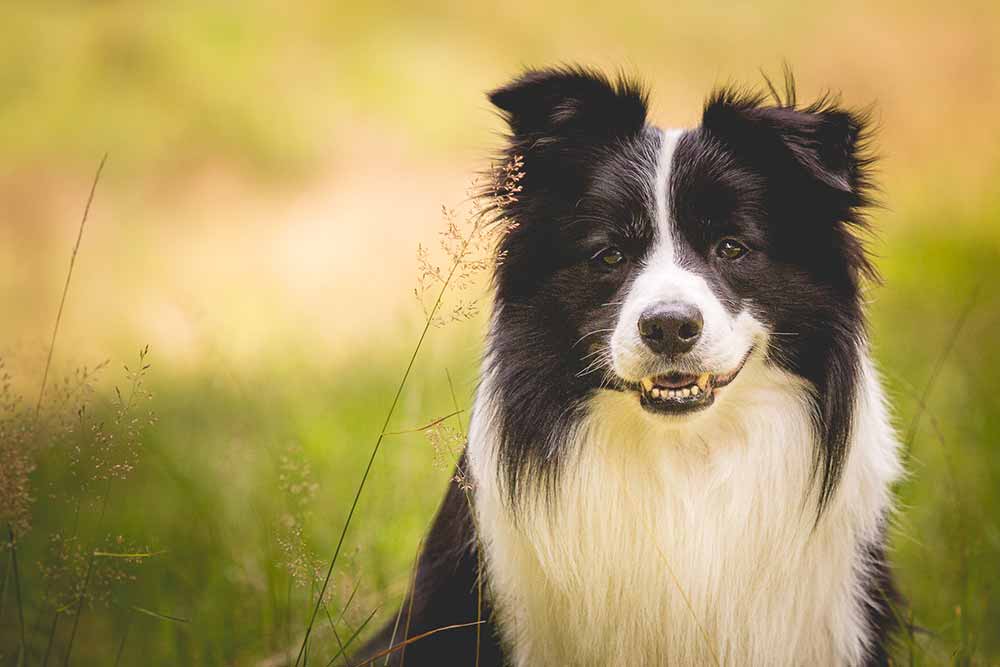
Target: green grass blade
<point>159,615</point>
<point>353,636</point>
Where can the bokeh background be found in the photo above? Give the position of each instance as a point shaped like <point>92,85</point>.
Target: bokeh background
<point>272,169</point>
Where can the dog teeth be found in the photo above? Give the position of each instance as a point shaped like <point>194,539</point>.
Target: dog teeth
<point>697,388</point>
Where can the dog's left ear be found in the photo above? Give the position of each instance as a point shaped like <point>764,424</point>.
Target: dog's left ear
<point>823,139</point>
<point>559,106</point>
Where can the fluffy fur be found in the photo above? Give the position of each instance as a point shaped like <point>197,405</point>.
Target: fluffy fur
<point>742,525</point>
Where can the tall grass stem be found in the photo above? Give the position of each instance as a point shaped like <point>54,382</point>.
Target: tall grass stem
<point>963,316</point>
<point>69,277</point>
<point>87,577</point>
<point>17,591</point>
<point>383,432</point>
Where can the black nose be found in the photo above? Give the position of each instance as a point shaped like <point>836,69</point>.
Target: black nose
<point>671,329</point>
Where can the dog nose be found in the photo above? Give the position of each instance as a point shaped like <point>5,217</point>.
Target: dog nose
<point>671,329</point>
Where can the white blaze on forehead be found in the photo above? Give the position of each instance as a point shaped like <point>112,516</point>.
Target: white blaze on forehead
<point>661,278</point>
<point>661,182</point>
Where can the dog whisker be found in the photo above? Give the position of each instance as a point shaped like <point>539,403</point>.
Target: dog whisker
<point>600,362</point>
<point>599,350</point>
<point>603,360</point>
<point>587,335</point>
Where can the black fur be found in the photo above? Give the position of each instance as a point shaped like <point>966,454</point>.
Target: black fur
<point>795,181</point>
<point>885,606</point>
<point>582,138</point>
<point>806,172</point>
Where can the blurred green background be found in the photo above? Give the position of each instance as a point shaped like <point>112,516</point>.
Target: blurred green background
<point>273,167</point>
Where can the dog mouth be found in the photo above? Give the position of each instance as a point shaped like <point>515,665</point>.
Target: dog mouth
<point>682,393</point>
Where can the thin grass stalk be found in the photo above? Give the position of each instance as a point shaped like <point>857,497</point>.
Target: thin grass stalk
<point>89,574</point>
<point>964,653</point>
<point>55,334</point>
<point>911,654</point>
<point>382,432</point>
<point>48,588</point>
<point>923,408</point>
<point>479,597</point>
<point>52,636</point>
<point>45,595</point>
<point>938,367</point>
<point>17,591</point>
<point>312,591</point>
<point>411,640</point>
<point>395,628</point>
<point>354,635</point>
<point>3,586</point>
<point>78,612</point>
<point>121,644</point>
<point>905,624</point>
<point>288,622</point>
<point>69,277</point>
<point>409,611</point>
<point>336,635</point>
<point>426,427</point>
<point>350,599</point>
<point>399,612</point>
<point>475,523</point>
<point>272,591</point>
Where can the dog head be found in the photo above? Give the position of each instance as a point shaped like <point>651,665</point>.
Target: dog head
<point>658,263</point>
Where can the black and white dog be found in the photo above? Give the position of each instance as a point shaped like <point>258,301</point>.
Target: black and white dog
<point>680,449</point>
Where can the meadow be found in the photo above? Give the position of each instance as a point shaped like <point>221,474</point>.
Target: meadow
<point>257,224</point>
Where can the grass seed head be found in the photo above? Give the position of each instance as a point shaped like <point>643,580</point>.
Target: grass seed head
<point>468,246</point>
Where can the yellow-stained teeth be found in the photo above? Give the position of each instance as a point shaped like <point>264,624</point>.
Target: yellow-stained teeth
<point>701,385</point>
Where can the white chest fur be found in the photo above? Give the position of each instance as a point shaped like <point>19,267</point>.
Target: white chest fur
<point>693,546</point>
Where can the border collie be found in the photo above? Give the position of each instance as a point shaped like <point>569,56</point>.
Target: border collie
<point>680,450</point>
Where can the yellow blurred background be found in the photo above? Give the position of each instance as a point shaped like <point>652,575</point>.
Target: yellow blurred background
<point>269,164</point>
<point>272,168</point>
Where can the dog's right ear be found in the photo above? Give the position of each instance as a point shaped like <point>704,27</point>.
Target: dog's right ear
<point>553,106</point>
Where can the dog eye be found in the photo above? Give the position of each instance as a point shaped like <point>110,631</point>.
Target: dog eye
<point>730,249</point>
<point>610,257</point>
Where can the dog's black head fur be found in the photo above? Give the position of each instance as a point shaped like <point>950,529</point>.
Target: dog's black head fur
<point>789,182</point>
